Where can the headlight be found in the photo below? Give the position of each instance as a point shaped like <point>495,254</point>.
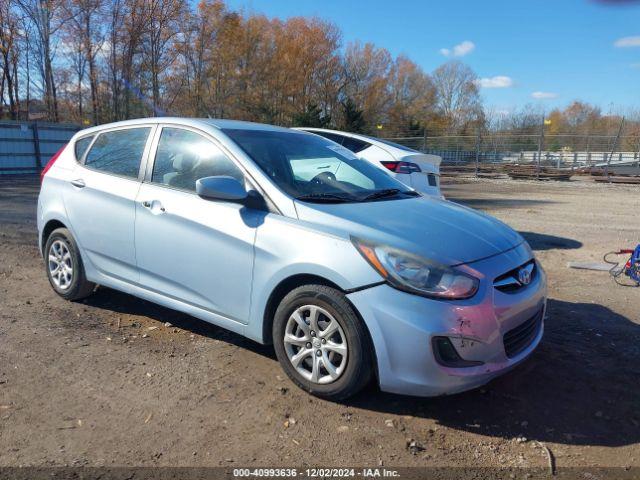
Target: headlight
<point>415,274</point>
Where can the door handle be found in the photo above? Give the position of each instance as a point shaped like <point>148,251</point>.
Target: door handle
<point>78,183</point>
<point>155,206</point>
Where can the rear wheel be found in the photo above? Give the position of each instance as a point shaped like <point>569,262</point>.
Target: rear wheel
<point>65,269</point>
<point>321,343</point>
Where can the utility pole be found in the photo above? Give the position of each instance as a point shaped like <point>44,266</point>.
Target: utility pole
<point>613,149</point>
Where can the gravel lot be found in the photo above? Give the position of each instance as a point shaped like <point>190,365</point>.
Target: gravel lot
<point>118,381</point>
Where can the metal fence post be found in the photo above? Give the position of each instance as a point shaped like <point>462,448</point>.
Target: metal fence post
<point>636,156</point>
<point>424,141</point>
<point>540,142</point>
<point>36,146</point>
<point>478,143</point>
<point>613,150</point>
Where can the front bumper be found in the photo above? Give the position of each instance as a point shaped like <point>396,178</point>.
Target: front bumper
<point>402,326</point>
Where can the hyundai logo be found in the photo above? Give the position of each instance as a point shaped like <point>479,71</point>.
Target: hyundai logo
<point>524,276</point>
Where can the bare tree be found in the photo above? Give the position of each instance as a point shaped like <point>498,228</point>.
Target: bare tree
<point>47,18</point>
<point>9,55</point>
<point>85,25</point>
<point>458,98</point>
<point>162,18</point>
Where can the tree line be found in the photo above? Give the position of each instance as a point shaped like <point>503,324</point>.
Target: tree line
<point>98,61</point>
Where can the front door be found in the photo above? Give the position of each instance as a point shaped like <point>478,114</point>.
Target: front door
<point>190,249</point>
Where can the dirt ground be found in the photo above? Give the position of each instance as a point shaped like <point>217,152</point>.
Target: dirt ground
<point>114,380</point>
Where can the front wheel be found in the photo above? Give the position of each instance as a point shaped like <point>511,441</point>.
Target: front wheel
<point>321,342</point>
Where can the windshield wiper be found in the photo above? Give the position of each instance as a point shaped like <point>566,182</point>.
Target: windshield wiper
<point>389,192</point>
<point>324,197</point>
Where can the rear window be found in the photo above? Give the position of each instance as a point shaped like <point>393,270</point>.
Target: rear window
<point>354,144</point>
<point>119,151</point>
<point>81,146</point>
<point>393,144</point>
<point>331,136</point>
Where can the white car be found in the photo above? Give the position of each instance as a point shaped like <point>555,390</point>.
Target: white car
<point>419,171</point>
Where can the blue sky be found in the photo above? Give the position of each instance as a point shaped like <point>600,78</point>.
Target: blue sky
<point>546,52</point>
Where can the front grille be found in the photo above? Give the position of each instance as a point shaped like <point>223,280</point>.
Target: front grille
<point>518,339</point>
<point>509,282</point>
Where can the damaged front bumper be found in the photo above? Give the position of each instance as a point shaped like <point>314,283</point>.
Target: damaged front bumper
<point>403,326</point>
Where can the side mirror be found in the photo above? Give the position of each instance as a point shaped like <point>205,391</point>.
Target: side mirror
<point>220,188</point>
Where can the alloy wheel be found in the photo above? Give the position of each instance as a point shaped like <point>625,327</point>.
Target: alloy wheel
<point>60,264</point>
<point>315,344</point>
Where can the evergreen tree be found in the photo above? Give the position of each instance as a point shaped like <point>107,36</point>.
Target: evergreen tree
<point>353,117</point>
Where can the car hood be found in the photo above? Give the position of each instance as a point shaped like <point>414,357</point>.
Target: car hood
<point>439,230</point>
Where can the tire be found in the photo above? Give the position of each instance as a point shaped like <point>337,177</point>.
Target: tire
<point>349,373</point>
<point>70,281</point>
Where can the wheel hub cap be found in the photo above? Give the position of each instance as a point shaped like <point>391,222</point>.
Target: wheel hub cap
<point>316,344</point>
<point>60,264</point>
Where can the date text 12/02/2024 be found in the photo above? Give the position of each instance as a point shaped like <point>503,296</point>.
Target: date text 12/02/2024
<point>316,472</point>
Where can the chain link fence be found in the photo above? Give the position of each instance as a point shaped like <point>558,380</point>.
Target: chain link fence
<point>25,147</point>
<point>561,151</point>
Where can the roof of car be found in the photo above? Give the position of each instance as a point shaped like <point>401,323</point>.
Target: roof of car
<point>384,144</point>
<point>241,124</point>
<point>194,122</point>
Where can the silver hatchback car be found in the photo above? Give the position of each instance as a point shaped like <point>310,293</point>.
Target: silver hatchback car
<point>287,238</point>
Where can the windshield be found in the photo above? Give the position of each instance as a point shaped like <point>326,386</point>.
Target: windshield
<point>310,168</point>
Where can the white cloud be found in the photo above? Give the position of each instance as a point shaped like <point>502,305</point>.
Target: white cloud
<point>459,50</point>
<point>544,95</point>
<point>499,81</point>
<point>463,49</point>
<point>627,42</point>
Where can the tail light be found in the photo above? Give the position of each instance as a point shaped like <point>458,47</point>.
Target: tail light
<point>50,163</point>
<point>402,167</point>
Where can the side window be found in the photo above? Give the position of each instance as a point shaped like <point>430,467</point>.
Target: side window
<point>119,151</point>
<point>183,157</point>
<point>354,144</point>
<point>81,146</point>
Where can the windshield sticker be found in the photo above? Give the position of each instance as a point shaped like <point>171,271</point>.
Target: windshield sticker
<point>342,151</point>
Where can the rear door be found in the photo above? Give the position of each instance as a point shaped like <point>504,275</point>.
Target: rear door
<point>197,251</point>
<point>101,201</point>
